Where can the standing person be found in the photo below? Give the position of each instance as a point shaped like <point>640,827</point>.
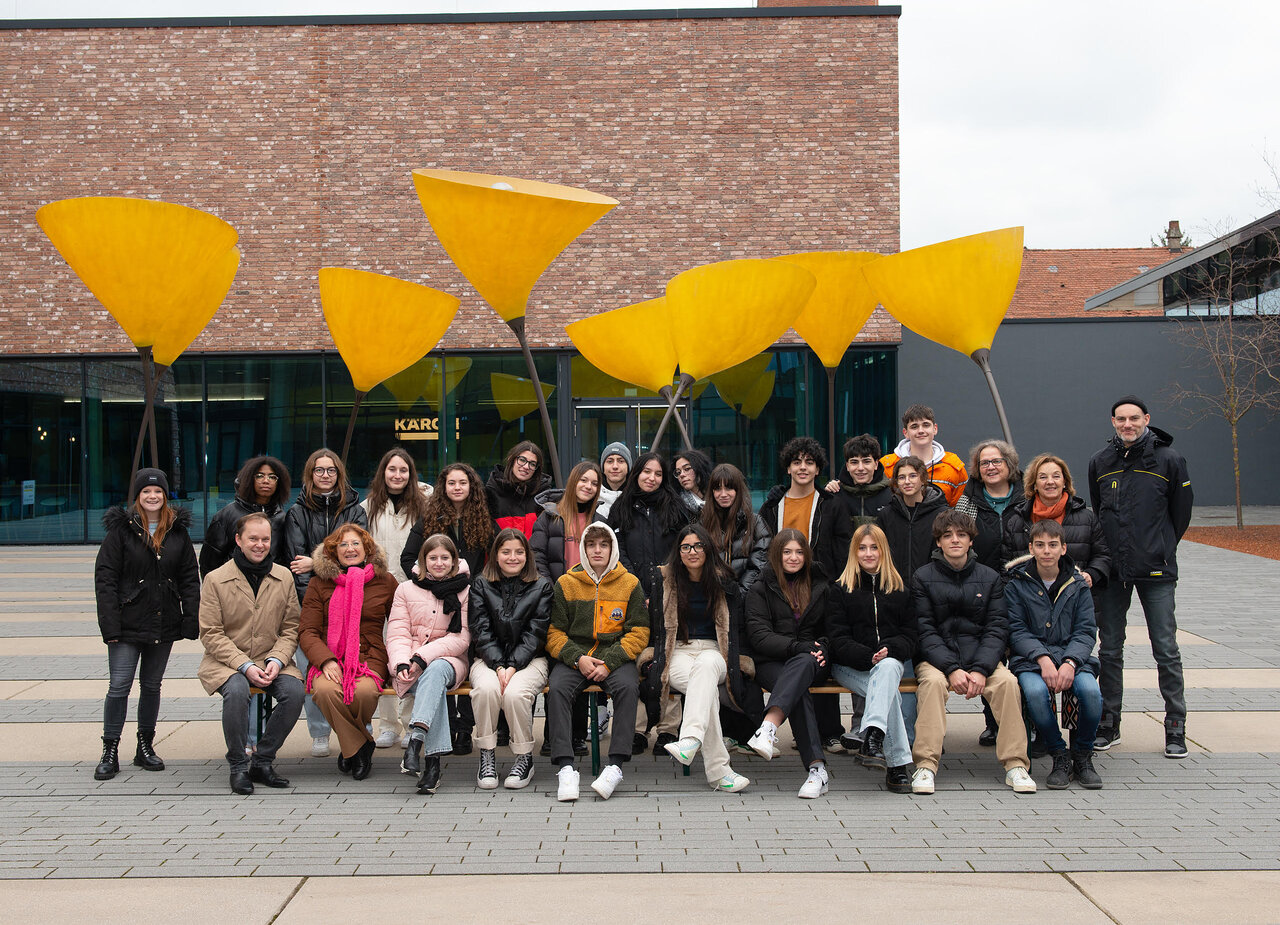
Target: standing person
<point>1140,490</point>
<point>697,618</point>
<point>615,464</point>
<point>599,624</point>
<point>565,514</point>
<point>692,469</point>
<point>249,628</point>
<point>964,631</point>
<point>343,617</point>
<point>327,501</point>
<point>871,638</point>
<point>428,641</point>
<point>395,502</point>
<point>513,488</point>
<point>907,520</point>
<point>1051,636</point>
<point>262,487</point>
<point>510,612</point>
<point>858,495</point>
<point>786,623</point>
<point>919,439</point>
<point>147,583</point>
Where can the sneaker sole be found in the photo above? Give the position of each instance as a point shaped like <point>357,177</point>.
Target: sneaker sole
<point>517,783</point>
<point>736,788</point>
<point>487,783</point>
<point>566,797</point>
<point>873,764</point>
<point>1176,757</point>
<point>1022,788</point>
<point>813,796</point>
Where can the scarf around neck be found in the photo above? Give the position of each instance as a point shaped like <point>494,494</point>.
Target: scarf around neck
<point>1041,511</point>
<point>446,591</point>
<point>254,573</point>
<point>343,635</point>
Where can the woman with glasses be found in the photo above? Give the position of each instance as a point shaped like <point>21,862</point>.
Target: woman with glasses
<point>992,492</point>
<point>262,487</point>
<point>692,470</point>
<point>513,488</point>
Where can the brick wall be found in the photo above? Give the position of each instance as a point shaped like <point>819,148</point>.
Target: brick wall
<point>721,138</point>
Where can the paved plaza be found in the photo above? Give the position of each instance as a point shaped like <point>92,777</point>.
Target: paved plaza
<point>1188,836</point>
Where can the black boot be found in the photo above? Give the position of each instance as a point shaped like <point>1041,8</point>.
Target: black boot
<point>988,736</point>
<point>362,762</point>
<point>1060,776</point>
<point>145,757</point>
<point>109,763</point>
<point>898,779</point>
<point>412,762</point>
<point>462,742</point>
<point>1082,770</point>
<point>871,754</point>
<point>430,778</point>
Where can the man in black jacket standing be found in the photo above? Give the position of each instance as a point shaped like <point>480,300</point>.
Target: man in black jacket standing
<point>1141,492</point>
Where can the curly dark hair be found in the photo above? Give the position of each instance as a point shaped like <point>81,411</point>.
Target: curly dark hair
<point>475,526</point>
<point>796,447</point>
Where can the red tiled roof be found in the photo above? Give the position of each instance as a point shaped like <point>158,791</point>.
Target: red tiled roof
<point>1055,283</point>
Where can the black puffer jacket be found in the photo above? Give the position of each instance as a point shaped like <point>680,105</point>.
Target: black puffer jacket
<point>961,615</point>
<point>991,526</point>
<point>508,620</point>
<point>220,536</point>
<point>145,596</point>
<point>863,621</point>
<point>848,509</point>
<point>750,552</point>
<point>514,505</point>
<point>548,536</point>
<point>1086,543</point>
<point>909,530</point>
<point>773,631</point>
<point>647,544</point>
<point>309,521</point>
<point>1142,495</point>
<point>475,556</point>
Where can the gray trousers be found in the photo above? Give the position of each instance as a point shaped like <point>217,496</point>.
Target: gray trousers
<point>286,690</point>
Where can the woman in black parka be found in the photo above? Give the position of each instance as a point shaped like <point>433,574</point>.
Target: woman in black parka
<point>147,583</point>
<point>262,487</point>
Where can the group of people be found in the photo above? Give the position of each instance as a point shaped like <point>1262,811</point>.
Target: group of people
<point>906,578</point>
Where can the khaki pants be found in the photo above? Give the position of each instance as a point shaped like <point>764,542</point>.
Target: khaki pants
<point>1001,692</point>
<point>516,702</point>
<point>347,719</point>
<point>697,671</point>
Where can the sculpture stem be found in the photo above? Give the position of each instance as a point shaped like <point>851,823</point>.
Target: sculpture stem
<point>147,394</point>
<point>982,357</point>
<point>665,392</point>
<point>685,381</point>
<point>351,425</point>
<point>831,421</point>
<point>517,326</point>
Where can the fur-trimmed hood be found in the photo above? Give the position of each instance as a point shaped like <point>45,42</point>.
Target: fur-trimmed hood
<point>324,567</point>
<point>115,517</point>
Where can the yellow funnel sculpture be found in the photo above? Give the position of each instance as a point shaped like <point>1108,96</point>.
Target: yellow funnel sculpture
<point>422,381</point>
<point>747,387</point>
<point>632,343</point>
<point>159,268</point>
<point>502,233</point>
<point>380,325</point>
<point>955,293</point>
<point>589,382</point>
<point>514,396</point>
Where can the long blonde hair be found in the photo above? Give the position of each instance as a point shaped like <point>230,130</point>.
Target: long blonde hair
<point>851,577</point>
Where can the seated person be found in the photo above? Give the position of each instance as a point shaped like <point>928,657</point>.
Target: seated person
<point>249,628</point>
<point>1051,637</point>
<point>599,625</point>
<point>964,631</point>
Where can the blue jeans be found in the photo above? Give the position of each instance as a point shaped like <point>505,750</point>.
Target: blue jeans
<point>430,708</point>
<point>123,659</point>
<point>1040,706</point>
<point>317,725</point>
<point>883,708</point>
<point>1157,606</point>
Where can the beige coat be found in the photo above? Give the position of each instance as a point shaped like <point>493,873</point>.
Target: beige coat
<point>237,627</point>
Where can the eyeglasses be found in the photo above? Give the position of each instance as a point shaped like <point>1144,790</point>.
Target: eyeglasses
<point>325,470</point>
<point>681,470</point>
<point>272,477</point>
<point>351,544</point>
<point>692,547</point>
<point>526,463</point>
<point>991,464</point>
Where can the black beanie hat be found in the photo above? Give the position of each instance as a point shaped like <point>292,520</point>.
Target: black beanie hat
<point>1129,400</point>
<point>147,477</point>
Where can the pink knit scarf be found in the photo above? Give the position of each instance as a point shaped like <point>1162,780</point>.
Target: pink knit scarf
<point>343,635</point>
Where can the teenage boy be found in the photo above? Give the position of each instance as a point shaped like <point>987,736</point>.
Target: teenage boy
<point>919,431</point>
<point>599,624</point>
<point>963,635</point>
<point>1051,638</point>
<point>856,498</point>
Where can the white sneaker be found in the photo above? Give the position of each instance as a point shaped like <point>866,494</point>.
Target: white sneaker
<point>1020,780</point>
<point>731,783</point>
<point>608,781</point>
<point>683,750</point>
<point>320,747</point>
<point>386,738</point>
<point>922,781</point>
<point>765,742</point>
<point>815,784</point>
<point>567,788</point>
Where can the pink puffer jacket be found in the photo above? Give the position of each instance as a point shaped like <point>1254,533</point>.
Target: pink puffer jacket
<point>419,626</point>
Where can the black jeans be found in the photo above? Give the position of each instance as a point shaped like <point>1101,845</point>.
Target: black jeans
<point>123,659</point>
<point>288,693</point>
<point>622,684</point>
<point>788,684</point>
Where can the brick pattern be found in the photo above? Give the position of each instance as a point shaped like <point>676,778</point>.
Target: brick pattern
<point>1055,283</point>
<point>721,138</point>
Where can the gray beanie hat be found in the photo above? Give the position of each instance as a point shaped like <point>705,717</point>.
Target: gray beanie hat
<point>617,449</point>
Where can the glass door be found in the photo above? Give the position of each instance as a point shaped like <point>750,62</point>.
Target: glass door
<point>632,421</point>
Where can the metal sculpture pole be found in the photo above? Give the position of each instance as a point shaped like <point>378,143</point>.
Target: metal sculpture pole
<point>831,420</point>
<point>982,357</point>
<point>685,381</point>
<point>151,373</point>
<point>351,425</point>
<point>665,392</point>
<point>517,327</point>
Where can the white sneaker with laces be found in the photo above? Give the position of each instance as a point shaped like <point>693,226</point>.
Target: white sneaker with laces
<point>683,750</point>
<point>320,747</point>
<point>922,781</point>
<point>608,781</point>
<point>815,784</point>
<point>731,783</point>
<point>1020,780</point>
<point>567,786</point>
<point>765,742</point>
<point>386,738</point>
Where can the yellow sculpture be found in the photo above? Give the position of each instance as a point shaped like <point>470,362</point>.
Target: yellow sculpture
<point>514,396</point>
<point>839,307</point>
<point>161,270</point>
<point>747,387</point>
<point>422,380</point>
<point>955,293</point>
<point>381,325</point>
<point>632,343</point>
<point>502,233</point>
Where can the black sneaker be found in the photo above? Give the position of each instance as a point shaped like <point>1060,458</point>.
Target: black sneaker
<point>579,746</point>
<point>1175,738</point>
<point>898,780</point>
<point>852,741</point>
<point>660,744</point>
<point>521,773</point>
<point>487,775</point>
<point>639,743</point>
<point>1108,735</point>
<point>988,737</point>
<point>1083,772</point>
<point>545,751</point>
<point>833,746</point>
<point>462,743</point>
<point>1060,776</point>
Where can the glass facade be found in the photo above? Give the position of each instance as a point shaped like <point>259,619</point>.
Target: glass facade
<point>69,426</point>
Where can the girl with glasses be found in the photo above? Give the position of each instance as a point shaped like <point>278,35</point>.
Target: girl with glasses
<point>513,488</point>
<point>262,487</point>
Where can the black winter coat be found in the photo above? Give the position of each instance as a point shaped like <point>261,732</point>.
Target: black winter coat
<point>1058,622</point>
<point>863,621</point>
<point>220,535</point>
<point>1086,543</point>
<point>308,522</point>
<point>909,530</point>
<point>773,631</point>
<point>647,544</point>
<point>548,536</point>
<point>475,556</point>
<point>848,509</point>
<point>1142,495</point>
<point>961,615</point>
<point>145,596</point>
<point>991,526</point>
<point>508,620</point>
<point>750,552</point>
<point>509,505</point>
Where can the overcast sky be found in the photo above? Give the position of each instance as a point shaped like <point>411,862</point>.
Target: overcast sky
<point>1092,124</point>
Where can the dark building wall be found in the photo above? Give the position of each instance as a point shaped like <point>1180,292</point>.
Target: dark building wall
<point>1058,380</point>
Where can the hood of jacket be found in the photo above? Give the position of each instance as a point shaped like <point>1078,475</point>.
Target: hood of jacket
<point>903,449</point>
<point>549,499</point>
<point>1154,437</point>
<point>951,569</point>
<point>879,482</point>
<point>115,517</point>
<point>324,567</point>
<point>597,527</point>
